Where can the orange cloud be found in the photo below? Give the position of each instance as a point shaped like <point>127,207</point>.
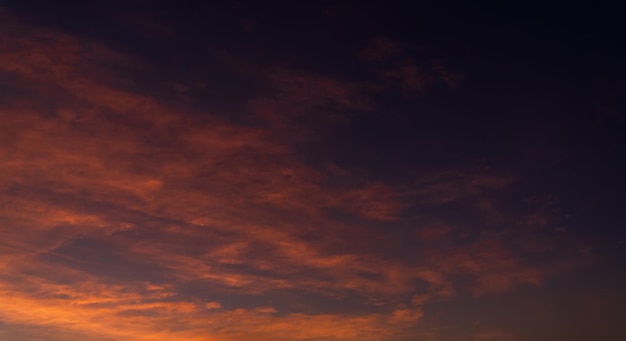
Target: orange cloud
<point>126,216</point>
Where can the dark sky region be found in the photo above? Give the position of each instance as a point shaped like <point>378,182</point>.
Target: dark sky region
<point>319,171</point>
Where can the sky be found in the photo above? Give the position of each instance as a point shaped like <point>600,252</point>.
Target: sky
<point>314,171</point>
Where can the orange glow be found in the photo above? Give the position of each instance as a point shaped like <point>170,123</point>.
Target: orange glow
<point>128,215</point>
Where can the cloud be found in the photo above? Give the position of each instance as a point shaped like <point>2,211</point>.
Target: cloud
<point>128,216</point>
<point>145,313</point>
<point>379,48</point>
<point>212,305</point>
<point>447,186</point>
<point>406,66</point>
<point>106,181</point>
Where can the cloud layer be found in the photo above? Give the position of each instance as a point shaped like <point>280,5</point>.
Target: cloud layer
<point>128,215</point>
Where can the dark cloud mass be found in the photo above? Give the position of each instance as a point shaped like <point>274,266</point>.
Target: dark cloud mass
<point>238,171</point>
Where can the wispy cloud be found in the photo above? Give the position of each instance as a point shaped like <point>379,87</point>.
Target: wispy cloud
<point>127,216</point>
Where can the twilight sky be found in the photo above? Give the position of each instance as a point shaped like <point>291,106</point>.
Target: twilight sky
<point>326,171</point>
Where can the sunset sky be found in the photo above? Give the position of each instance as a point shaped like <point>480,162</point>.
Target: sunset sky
<point>311,171</point>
